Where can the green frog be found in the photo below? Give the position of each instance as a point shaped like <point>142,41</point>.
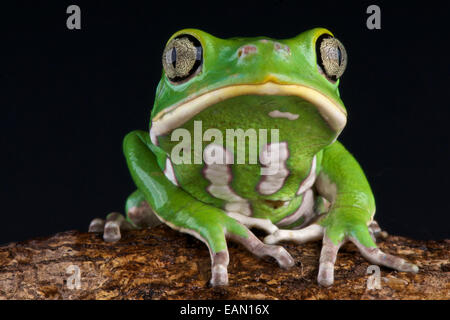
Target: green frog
<point>243,135</point>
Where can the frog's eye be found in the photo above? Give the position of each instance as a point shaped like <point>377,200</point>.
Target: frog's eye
<point>182,58</point>
<point>331,57</point>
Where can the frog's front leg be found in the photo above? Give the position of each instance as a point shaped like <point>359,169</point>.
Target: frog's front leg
<point>182,212</point>
<point>342,182</point>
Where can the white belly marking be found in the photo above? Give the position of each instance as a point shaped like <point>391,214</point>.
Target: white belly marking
<point>220,176</point>
<point>273,157</point>
<point>310,179</point>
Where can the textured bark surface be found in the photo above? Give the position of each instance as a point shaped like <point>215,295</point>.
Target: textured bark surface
<point>163,264</point>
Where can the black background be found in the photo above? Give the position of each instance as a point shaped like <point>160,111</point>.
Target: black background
<point>69,97</point>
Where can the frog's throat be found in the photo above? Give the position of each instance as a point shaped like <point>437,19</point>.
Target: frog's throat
<point>178,114</point>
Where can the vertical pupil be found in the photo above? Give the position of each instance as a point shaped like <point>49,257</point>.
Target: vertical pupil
<point>174,57</point>
<point>339,56</point>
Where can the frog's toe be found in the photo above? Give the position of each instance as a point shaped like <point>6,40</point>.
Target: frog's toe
<point>376,256</point>
<point>328,256</point>
<point>260,249</point>
<point>97,225</point>
<point>112,232</point>
<point>219,271</point>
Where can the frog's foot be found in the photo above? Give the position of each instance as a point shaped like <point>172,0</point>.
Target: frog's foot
<point>257,247</point>
<point>260,249</point>
<point>220,258</point>
<point>115,222</point>
<point>372,253</point>
<point>139,216</point>
<point>376,256</point>
<point>362,240</point>
<point>263,224</point>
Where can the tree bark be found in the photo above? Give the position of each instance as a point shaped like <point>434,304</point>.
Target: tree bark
<point>160,263</point>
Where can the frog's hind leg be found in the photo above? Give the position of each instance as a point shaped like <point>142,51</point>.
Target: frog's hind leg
<point>310,233</point>
<point>308,230</point>
<point>139,215</point>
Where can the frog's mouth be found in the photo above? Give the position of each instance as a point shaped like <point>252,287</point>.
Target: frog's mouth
<point>178,114</point>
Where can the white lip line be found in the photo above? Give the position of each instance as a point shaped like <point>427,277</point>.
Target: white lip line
<point>174,116</point>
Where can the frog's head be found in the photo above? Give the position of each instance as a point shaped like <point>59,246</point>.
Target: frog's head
<point>200,70</point>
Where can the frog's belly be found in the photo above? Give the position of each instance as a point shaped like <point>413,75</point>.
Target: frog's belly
<point>292,208</point>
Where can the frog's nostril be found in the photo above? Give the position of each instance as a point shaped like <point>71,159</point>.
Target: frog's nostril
<point>246,50</point>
